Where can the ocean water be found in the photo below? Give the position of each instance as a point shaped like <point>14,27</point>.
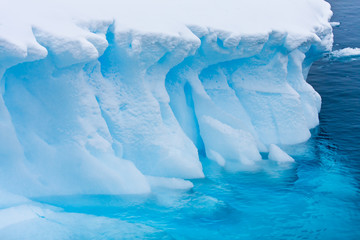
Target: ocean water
<point>317,197</point>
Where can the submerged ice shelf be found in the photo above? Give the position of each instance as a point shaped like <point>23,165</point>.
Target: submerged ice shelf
<point>114,98</point>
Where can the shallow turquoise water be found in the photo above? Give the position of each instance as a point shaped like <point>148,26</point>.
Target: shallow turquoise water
<point>318,197</point>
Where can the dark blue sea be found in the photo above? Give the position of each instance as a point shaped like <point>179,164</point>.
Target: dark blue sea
<point>316,198</point>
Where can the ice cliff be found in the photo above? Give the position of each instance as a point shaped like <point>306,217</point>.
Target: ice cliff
<point>119,96</point>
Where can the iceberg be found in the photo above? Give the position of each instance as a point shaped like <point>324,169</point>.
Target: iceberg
<point>116,97</point>
<point>345,54</point>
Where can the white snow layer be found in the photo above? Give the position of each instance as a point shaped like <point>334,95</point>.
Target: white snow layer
<point>97,94</point>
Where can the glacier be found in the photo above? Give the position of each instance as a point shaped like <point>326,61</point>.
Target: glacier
<point>98,98</point>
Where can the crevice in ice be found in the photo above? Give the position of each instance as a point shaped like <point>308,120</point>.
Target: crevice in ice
<point>182,104</point>
<point>109,125</point>
<point>190,103</point>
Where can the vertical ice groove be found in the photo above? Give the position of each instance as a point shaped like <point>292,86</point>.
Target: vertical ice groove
<point>137,104</point>
<point>204,105</point>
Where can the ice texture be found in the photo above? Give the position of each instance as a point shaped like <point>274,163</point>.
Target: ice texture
<point>119,97</point>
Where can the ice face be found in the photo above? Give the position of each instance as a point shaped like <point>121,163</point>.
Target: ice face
<point>114,98</point>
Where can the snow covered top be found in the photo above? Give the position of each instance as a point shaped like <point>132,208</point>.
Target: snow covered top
<point>240,16</point>
<point>64,25</point>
